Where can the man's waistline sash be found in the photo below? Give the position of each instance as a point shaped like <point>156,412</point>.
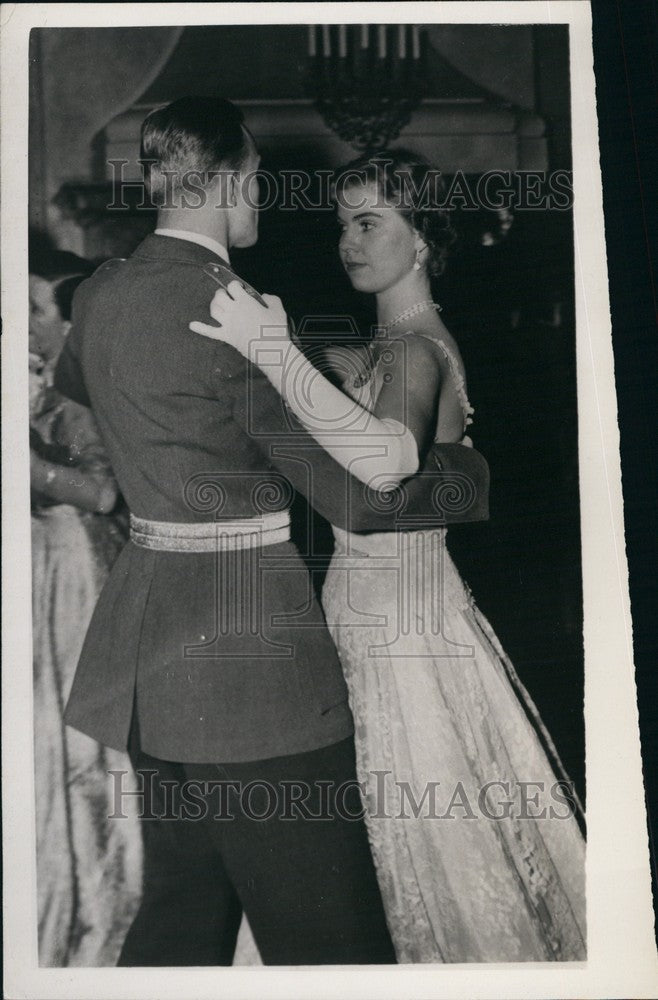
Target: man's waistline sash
<point>213,536</point>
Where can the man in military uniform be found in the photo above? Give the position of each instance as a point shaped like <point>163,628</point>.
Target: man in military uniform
<point>207,655</point>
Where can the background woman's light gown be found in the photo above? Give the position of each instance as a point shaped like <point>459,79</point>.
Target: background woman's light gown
<point>88,866</point>
<point>435,699</point>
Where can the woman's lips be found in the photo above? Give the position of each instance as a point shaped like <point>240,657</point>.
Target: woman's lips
<point>351,265</point>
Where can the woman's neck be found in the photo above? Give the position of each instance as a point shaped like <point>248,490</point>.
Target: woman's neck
<point>409,291</point>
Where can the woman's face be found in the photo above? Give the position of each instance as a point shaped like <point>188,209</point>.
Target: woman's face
<point>47,328</point>
<point>377,245</point>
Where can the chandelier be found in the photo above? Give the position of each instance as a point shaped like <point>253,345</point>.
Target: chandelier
<point>366,80</point>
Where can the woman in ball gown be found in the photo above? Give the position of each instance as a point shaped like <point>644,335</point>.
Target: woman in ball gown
<point>479,855</point>
<point>88,866</point>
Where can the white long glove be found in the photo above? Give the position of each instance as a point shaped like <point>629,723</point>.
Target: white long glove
<point>375,450</point>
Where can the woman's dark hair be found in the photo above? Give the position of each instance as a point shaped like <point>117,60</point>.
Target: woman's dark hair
<point>192,134</point>
<point>63,269</point>
<point>415,188</point>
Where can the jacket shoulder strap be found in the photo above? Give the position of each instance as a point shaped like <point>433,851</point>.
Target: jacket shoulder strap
<point>223,275</point>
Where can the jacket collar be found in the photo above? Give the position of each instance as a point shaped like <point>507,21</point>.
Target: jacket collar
<point>156,247</point>
<point>200,238</point>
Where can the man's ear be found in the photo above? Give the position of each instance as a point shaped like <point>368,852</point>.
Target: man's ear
<point>232,187</point>
<point>223,188</point>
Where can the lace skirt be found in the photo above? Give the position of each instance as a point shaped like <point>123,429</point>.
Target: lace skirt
<point>479,857</point>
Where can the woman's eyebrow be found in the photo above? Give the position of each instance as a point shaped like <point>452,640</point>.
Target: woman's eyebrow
<point>355,218</point>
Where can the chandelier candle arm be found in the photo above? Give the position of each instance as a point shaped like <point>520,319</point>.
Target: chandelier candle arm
<point>382,41</point>
<point>402,41</point>
<point>415,41</point>
<point>342,41</point>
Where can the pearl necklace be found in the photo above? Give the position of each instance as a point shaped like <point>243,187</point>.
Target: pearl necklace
<point>413,310</point>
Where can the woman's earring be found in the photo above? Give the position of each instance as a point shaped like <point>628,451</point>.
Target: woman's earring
<point>417,264</point>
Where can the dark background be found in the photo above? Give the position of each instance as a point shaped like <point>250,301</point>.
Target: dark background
<point>625,64</point>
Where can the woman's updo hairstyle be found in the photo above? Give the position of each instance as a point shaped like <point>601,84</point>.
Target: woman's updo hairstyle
<point>411,185</point>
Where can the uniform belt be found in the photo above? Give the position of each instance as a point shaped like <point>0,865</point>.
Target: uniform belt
<point>214,536</point>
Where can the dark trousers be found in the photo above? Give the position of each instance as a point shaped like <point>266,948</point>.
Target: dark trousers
<point>276,839</point>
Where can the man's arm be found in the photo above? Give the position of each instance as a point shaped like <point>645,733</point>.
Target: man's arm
<point>452,487</point>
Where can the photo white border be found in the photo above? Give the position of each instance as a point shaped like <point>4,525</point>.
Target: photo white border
<point>622,960</point>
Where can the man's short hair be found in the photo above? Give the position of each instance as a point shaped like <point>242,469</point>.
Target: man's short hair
<point>192,134</point>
